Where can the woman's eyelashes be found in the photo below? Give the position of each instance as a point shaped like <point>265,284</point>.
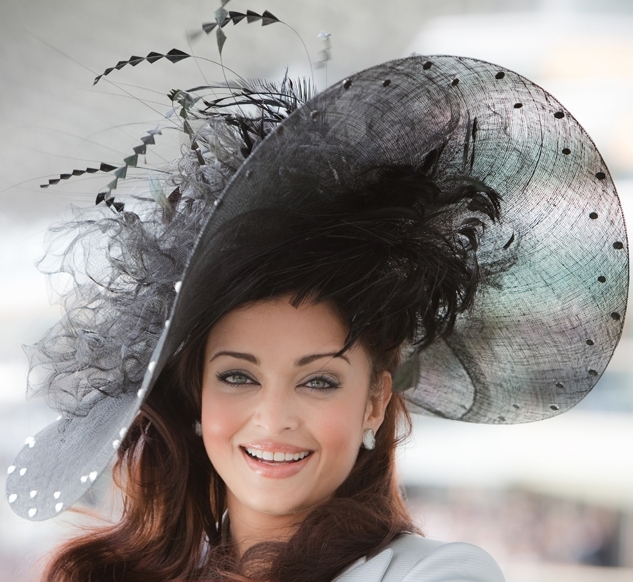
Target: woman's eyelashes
<point>239,378</point>
<point>235,378</point>
<point>322,383</point>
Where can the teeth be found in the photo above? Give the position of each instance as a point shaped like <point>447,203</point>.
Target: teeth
<point>277,456</point>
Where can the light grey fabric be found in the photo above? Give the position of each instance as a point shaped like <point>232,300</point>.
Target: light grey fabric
<point>411,558</point>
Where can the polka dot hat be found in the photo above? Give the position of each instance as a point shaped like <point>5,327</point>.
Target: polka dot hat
<point>551,303</point>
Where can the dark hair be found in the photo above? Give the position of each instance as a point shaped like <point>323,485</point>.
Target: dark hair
<point>396,260</point>
<point>395,256</point>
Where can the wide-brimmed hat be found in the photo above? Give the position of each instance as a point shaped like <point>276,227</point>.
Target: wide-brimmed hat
<point>537,338</point>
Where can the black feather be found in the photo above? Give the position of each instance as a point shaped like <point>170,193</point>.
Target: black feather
<point>396,256</point>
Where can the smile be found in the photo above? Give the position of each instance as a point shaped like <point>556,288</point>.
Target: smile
<point>275,456</point>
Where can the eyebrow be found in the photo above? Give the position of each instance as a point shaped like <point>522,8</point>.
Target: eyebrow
<point>309,359</point>
<point>239,355</point>
<point>304,361</point>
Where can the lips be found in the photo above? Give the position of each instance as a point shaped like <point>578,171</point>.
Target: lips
<point>269,460</point>
<point>275,456</point>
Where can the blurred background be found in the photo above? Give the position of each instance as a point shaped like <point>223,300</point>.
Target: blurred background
<point>551,500</point>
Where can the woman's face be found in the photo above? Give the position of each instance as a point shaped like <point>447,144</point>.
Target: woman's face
<point>282,416</point>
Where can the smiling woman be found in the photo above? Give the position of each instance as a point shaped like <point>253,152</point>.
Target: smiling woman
<point>283,422</point>
<point>271,432</point>
<point>434,234</point>
<point>286,374</point>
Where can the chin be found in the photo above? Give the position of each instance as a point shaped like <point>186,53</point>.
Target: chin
<point>278,505</point>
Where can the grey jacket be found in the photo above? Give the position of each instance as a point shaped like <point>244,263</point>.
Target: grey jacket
<point>411,558</point>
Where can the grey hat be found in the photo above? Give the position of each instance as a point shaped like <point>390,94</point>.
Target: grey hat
<point>538,337</point>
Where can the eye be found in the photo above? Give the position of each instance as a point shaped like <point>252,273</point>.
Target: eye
<point>235,377</point>
<point>321,383</point>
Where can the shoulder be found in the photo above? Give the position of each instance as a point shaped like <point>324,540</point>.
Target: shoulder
<point>417,558</point>
<point>411,558</point>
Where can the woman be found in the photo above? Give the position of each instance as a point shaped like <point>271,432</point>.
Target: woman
<point>437,231</point>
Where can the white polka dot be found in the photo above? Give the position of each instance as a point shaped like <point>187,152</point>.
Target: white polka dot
<point>22,471</point>
<point>12,497</point>
<point>151,366</point>
<point>141,392</point>
<point>167,322</point>
<point>30,441</point>
<point>32,512</point>
<point>57,494</point>
<point>58,506</point>
<point>33,493</point>
<point>177,286</point>
<point>84,478</point>
<point>115,444</point>
<point>122,432</point>
<point>93,476</point>
<point>10,469</point>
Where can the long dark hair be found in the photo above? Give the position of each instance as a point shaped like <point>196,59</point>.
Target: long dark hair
<point>174,500</point>
<point>396,261</point>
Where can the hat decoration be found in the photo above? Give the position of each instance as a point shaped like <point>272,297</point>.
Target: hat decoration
<point>546,318</point>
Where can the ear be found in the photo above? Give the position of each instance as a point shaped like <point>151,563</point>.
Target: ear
<point>377,402</point>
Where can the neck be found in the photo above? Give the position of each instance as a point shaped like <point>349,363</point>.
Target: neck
<point>249,527</point>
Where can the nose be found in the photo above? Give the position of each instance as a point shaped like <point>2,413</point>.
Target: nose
<point>276,410</point>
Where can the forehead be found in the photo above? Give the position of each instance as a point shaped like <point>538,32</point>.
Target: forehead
<point>261,321</point>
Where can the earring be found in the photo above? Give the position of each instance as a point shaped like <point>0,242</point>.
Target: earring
<point>197,428</point>
<point>369,439</point>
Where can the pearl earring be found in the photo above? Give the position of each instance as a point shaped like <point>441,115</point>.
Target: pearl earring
<point>197,428</point>
<point>369,439</point>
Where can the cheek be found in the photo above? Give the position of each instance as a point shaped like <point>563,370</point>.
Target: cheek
<point>221,419</point>
<point>339,433</point>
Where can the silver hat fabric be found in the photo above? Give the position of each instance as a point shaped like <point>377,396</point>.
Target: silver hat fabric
<point>545,321</point>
